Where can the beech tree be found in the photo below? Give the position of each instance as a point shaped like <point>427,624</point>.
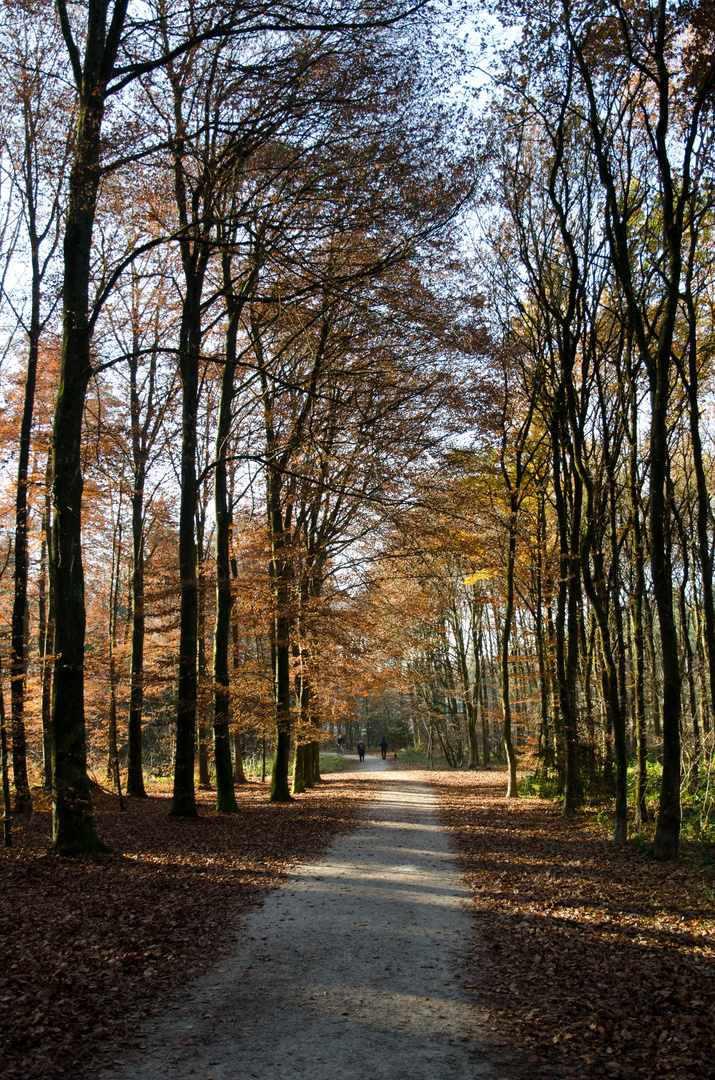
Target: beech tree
<point>653,52</point>
<point>36,148</point>
<point>114,54</point>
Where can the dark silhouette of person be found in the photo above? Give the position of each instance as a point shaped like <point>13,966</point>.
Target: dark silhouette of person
<point>383,747</point>
<point>361,750</point>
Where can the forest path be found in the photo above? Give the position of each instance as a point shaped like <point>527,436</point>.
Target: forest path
<point>346,972</point>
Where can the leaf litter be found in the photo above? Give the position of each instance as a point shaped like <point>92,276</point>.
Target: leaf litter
<point>91,949</point>
<point>592,958</point>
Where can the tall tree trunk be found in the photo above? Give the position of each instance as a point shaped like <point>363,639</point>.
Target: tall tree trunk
<point>112,752</point>
<point>655,695</point>
<point>305,696</point>
<point>280,657</point>
<point>7,813</point>
<point>135,763</point>
<point>225,794</point>
<point>299,768</point>
<point>641,806</point>
<point>73,826</point>
<point>18,646</point>
<point>45,631</point>
<point>280,573</point>
<point>667,834</point>
<point>566,627</point>
<point>703,676</point>
<point>201,698</point>
<point>511,788</point>
<point>183,802</point>
<point>239,776</point>
<point>544,742</point>
<point>703,501</point>
<point>476,636</point>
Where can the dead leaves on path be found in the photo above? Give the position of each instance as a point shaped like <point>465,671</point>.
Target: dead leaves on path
<point>91,948</point>
<point>597,962</point>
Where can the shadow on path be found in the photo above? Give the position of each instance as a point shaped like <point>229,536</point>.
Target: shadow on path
<point>349,971</point>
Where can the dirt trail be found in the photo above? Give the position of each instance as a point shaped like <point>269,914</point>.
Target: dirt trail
<point>347,972</point>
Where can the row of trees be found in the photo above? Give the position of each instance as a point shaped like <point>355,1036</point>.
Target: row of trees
<point>613,349</point>
<point>566,563</point>
<point>595,236</point>
<point>243,207</point>
<point>362,457</point>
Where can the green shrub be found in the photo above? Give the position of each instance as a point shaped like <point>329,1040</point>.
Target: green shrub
<point>654,777</point>
<point>412,756</point>
<point>698,805</point>
<point>540,785</point>
<point>334,763</point>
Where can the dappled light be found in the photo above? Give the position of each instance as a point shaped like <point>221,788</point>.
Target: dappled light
<point>595,959</point>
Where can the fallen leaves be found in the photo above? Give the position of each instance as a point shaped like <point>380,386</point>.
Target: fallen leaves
<point>595,960</point>
<point>92,948</point>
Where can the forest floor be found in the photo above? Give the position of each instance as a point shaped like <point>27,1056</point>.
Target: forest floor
<point>595,958</point>
<point>89,949</point>
<point>351,971</point>
<point>582,959</point>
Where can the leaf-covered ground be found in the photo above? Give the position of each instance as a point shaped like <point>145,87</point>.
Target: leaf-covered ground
<point>590,960</point>
<point>90,948</point>
<point>594,960</point>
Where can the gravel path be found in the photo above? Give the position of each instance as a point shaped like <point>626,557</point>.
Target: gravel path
<point>347,972</point>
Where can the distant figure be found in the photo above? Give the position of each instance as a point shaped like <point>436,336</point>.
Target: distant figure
<point>361,750</point>
<point>383,747</point>
<point>340,744</point>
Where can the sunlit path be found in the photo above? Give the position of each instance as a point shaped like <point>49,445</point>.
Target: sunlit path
<point>350,971</point>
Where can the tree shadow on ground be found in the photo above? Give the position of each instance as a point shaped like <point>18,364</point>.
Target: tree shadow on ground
<point>90,948</point>
<point>596,961</point>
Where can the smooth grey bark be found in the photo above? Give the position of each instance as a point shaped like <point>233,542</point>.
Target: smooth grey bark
<point>225,794</point>
<point>183,803</point>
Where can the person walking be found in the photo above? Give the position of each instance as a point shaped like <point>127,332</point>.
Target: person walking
<point>383,747</point>
<point>361,750</point>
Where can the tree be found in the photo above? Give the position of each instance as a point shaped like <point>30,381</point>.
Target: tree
<point>116,52</point>
<point>38,148</point>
